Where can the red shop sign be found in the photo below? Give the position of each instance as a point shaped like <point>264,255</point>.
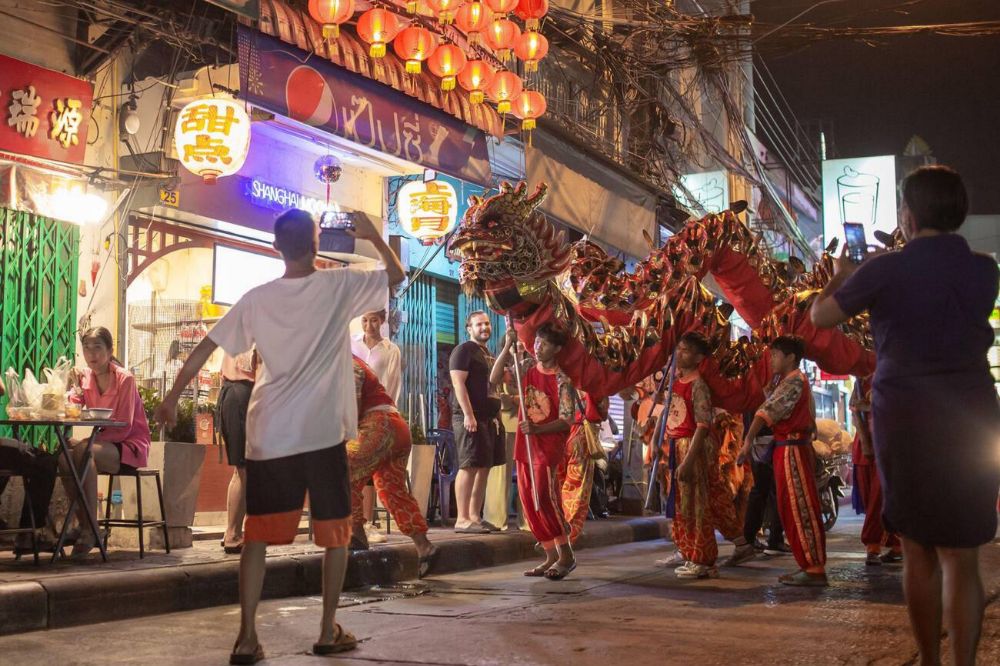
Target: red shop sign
<point>43,113</point>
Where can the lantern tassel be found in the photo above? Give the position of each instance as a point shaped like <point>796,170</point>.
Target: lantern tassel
<point>413,67</point>
<point>528,124</point>
<point>530,66</point>
<point>531,24</point>
<point>477,97</point>
<point>412,7</point>
<point>331,31</point>
<point>448,83</point>
<point>377,50</point>
<point>503,107</point>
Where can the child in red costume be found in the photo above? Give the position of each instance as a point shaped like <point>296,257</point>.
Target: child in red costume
<point>873,534</point>
<point>546,413</point>
<point>576,473</point>
<point>790,412</point>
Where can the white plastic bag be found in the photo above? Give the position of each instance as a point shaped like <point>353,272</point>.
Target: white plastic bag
<point>15,393</point>
<point>32,390</point>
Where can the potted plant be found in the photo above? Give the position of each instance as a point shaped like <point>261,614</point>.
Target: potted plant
<point>178,456</point>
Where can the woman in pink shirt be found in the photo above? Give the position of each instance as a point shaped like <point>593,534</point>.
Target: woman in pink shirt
<point>106,384</point>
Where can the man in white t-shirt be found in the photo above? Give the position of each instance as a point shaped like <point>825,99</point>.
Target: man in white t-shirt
<point>301,411</point>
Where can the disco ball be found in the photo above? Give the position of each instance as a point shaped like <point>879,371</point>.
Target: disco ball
<point>328,169</point>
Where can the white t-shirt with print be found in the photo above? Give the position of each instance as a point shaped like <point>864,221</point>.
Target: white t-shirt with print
<point>304,396</point>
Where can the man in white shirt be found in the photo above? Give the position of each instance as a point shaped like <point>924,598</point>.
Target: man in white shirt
<point>301,411</point>
<point>383,357</point>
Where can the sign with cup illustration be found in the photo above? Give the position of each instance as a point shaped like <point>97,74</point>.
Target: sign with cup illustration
<point>708,191</point>
<point>860,190</point>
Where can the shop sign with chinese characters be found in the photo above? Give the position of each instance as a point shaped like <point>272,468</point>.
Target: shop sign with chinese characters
<point>427,210</point>
<point>43,113</point>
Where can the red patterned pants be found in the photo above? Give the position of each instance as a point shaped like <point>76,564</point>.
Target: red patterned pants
<point>703,506</point>
<point>798,505</point>
<point>545,519</point>
<point>575,476</point>
<point>380,452</point>
<point>873,534</point>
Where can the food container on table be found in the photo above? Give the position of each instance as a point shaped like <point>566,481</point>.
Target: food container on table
<point>22,413</point>
<point>97,414</point>
<point>73,410</point>
<point>52,405</point>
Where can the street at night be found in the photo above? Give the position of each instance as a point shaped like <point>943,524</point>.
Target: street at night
<point>470,332</point>
<point>616,608</point>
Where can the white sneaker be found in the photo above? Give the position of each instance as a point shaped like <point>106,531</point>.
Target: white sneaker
<point>692,570</point>
<point>373,534</point>
<point>671,562</point>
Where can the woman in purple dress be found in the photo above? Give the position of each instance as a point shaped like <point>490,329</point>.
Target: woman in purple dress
<point>935,416</point>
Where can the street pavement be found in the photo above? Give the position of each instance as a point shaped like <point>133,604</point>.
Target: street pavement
<point>616,608</point>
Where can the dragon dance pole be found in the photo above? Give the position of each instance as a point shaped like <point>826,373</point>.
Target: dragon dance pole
<point>658,442</point>
<point>524,415</point>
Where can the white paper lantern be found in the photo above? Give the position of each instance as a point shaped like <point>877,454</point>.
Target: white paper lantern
<point>212,137</point>
<point>427,211</point>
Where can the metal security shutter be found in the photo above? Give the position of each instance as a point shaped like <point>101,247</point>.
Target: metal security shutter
<point>418,344</point>
<point>39,267</point>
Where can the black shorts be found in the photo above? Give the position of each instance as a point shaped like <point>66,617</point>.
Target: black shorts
<point>231,415</point>
<point>276,492</point>
<point>484,448</point>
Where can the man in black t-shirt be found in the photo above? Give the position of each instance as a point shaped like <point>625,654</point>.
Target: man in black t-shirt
<point>475,414</point>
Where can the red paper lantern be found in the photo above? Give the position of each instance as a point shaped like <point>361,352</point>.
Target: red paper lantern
<point>504,89</point>
<point>330,14</point>
<point>530,48</point>
<point>414,45</point>
<point>502,7</point>
<point>378,27</point>
<point>445,9</point>
<point>501,37</point>
<point>529,106</point>
<point>473,18</point>
<point>447,62</point>
<point>531,12</point>
<point>476,77</point>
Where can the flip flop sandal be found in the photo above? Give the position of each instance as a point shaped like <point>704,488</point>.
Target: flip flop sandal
<point>558,572</point>
<point>233,550</point>
<point>257,655</point>
<point>804,579</point>
<point>344,643</point>
<point>537,572</point>
<point>426,563</point>
<point>472,529</point>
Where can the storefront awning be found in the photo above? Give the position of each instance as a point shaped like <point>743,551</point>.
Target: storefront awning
<point>294,26</point>
<point>590,196</point>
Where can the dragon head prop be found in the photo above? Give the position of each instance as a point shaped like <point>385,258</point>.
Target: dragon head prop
<point>505,238</point>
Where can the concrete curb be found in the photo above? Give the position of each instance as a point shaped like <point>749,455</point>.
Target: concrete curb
<point>75,600</point>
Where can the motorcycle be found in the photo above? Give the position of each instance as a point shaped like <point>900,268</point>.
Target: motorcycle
<point>830,487</point>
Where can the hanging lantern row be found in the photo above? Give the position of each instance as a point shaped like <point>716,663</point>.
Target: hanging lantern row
<point>482,21</point>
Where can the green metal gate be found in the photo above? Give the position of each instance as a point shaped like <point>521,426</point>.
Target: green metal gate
<point>39,269</point>
<point>418,345</point>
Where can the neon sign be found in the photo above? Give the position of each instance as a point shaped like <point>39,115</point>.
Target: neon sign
<point>275,197</point>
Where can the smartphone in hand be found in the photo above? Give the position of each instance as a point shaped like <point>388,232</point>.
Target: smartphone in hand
<point>333,232</point>
<point>857,245</point>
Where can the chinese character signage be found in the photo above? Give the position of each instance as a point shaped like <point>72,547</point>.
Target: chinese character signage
<point>43,113</point>
<point>862,190</point>
<point>212,137</point>
<point>301,86</point>
<point>427,211</point>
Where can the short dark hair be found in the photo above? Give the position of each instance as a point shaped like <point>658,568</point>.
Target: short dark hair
<point>101,334</point>
<point>698,341</point>
<point>553,334</point>
<point>474,313</point>
<point>791,345</point>
<point>295,233</point>
<point>936,197</point>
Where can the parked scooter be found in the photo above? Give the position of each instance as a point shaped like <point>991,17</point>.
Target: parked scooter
<point>830,487</point>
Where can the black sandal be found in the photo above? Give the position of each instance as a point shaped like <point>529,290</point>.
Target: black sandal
<point>253,658</point>
<point>558,571</point>
<point>426,563</point>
